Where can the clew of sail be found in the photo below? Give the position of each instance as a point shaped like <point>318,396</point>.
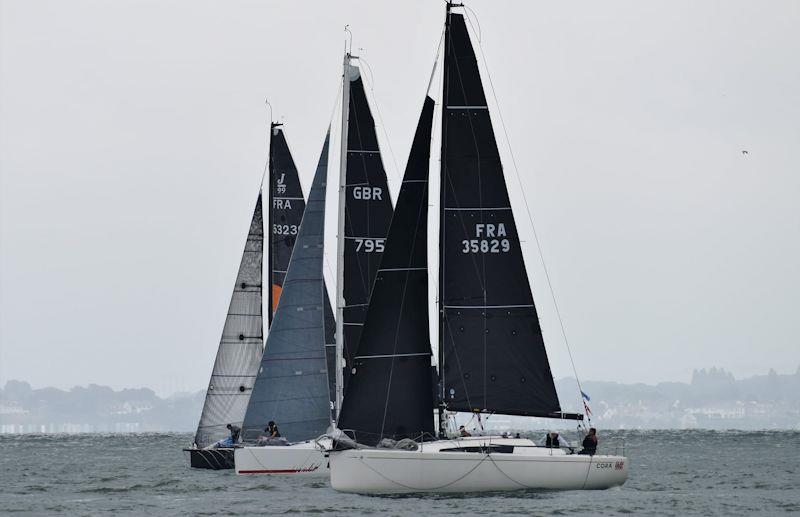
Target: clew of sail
<point>389,392</point>
<point>240,347</point>
<point>292,383</point>
<point>492,355</point>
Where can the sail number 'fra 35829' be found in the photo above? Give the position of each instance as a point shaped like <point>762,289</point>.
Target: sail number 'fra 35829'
<point>490,238</point>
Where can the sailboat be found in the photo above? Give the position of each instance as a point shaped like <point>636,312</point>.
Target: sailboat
<point>292,386</point>
<point>241,345</point>
<point>290,397</point>
<point>491,357</point>
<point>238,356</point>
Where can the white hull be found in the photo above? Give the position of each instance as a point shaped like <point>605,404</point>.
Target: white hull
<point>299,459</point>
<point>429,469</point>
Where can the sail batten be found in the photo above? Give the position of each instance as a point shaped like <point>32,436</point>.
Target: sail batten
<point>292,384</point>
<point>240,345</point>
<point>492,355</point>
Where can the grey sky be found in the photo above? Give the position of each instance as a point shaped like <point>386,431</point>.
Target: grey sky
<point>132,140</point>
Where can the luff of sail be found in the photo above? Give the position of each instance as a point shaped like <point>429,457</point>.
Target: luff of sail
<point>389,394</point>
<point>286,207</point>
<point>368,213</point>
<point>492,355</point>
<point>292,383</point>
<point>240,347</point>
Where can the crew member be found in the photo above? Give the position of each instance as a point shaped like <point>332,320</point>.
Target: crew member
<point>590,443</point>
<point>235,432</point>
<point>272,430</point>
<point>554,441</point>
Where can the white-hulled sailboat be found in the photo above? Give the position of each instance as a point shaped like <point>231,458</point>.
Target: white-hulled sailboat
<point>241,346</point>
<point>286,390</point>
<point>292,387</point>
<point>492,357</point>
<point>237,359</point>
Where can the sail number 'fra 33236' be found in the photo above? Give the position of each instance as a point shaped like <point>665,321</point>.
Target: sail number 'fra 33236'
<point>490,238</point>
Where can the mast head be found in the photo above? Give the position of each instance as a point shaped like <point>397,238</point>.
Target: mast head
<point>348,43</point>
<point>451,4</point>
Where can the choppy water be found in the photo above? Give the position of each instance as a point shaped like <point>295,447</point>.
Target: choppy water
<point>672,473</point>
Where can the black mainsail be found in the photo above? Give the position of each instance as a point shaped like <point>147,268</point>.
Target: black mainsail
<point>365,219</point>
<point>239,351</point>
<point>492,356</point>
<point>292,383</point>
<point>389,394</point>
<point>287,205</point>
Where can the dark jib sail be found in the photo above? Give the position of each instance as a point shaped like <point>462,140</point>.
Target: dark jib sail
<point>389,394</point>
<point>287,204</point>
<point>240,347</point>
<point>368,212</point>
<point>492,355</point>
<point>292,384</point>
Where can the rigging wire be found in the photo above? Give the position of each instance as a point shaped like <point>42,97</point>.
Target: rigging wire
<point>269,133</point>
<point>380,118</point>
<point>530,216</point>
<point>336,102</point>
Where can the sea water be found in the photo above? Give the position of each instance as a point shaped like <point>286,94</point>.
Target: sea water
<point>671,473</point>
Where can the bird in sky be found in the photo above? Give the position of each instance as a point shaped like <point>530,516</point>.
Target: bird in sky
<point>745,152</point>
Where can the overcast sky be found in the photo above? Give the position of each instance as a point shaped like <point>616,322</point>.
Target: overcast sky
<point>133,137</point>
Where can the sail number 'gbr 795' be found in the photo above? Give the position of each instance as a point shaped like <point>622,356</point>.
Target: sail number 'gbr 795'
<point>490,238</point>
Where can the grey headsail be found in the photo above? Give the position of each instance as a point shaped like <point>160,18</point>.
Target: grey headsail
<point>492,355</point>
<point>286,207</point>
<point>292,383</point>
<point>390,394</point>
<point>240,347</point>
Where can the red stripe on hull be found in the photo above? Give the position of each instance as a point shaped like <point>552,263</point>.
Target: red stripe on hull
<point>280,471</point>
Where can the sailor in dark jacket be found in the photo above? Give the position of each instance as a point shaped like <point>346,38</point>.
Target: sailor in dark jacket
<point>590,443</point>
<point>272,430</point>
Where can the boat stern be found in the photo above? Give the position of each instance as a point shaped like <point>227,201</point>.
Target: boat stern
<point>607,472</point>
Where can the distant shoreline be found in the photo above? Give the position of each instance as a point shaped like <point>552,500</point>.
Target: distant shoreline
<point>713,400</point>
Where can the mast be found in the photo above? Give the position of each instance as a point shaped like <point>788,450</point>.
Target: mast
<point>442,404</point>
<point>340,302</point>
<point>270,204</point>
<point>365,213</point>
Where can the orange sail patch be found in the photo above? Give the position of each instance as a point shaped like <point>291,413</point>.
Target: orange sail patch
<point>276,295</point>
